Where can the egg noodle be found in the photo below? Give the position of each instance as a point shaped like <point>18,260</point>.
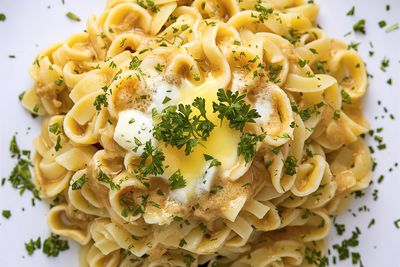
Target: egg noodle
<point>182,133</point>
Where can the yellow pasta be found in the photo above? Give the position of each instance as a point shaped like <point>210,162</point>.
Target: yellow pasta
<point>182,133</point>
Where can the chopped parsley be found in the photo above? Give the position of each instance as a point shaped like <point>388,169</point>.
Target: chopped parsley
<point>59,81</point>
<point>135,63</point>
<point>33,245</point>
<point>290,165</point>
<point>6,214</point>
<point>343,249</point>
<point>148,4</point>
<point>302,63</point>
<point>247,145</point>
<point>385,64</point>
<point>382,24</point>
<point>21,177</point>
<point>214,162</point>
<point>184,27</point>
<point>397,223</point>
<point>336,114</point>
<point>21,96</point>
<point>306,113</point>
<point>159,67</point>
<point>180,128</point>
<point>315,257</point>
<point>353,46</point>
<point>216,189</point>
<point>78,184</point>
<point>293,36</point>
<point>58,145</point>
<point>151,162</point>
<point>106,179</point>
<point>72,16</point>
<point>233,107</point>
<point>177,181</point>
<point>351,11</point>
<point>54,128</point>
<point>273,73</point>
<point>340,228</point>
<point>360,26</point>
<point>188,260</point>
<point>182,243</point>
<point>100,101</point>
<point>264,12</point>
<point>346,97</point>
<point>166,100</point>
<point>53,245</point>
<point>392,28</point>
<point>371,223</point>
<point>135,209</point>
<point>177,218</point>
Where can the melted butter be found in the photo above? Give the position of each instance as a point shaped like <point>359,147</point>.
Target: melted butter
<point>221,144</point>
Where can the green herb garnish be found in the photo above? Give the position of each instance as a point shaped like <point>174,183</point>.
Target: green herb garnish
<point>351,11</point>
<point>233,107</point>
<point>290,165</point>
<point>360,26</point>
<point>247,145</point>
<point>106,179</point>
<point>392,28</point>
<point>180,128</point>
<point>72,16</point>
<point>79,183</point>
<point>33,245</point>
<point>346,98</point>
<point>6,214</point>
<point>20,177</point>
<point>177,181</point>
<point>53,245</point>
<point>188,260</point>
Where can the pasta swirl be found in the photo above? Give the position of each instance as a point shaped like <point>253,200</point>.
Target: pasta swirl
<point>181,133</point>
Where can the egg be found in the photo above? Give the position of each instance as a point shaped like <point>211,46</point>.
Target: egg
<point>165,94</point>
<point>133,124</point>
<point>162,92</point>
<point>221,144</point>
<point>264,109</point>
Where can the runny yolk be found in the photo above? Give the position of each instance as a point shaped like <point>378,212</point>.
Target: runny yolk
<point>221,144</point>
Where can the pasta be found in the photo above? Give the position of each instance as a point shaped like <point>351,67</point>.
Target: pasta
<point>182,133</point>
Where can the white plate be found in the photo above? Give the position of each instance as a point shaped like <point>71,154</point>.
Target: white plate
<point>31,26</point>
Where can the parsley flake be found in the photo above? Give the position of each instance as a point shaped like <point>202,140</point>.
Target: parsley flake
<point>360,26</point>
<point>233,107</point>
<point>79,183</point>
<point>290,165</point>
<point>33,245</point>
<point>247,145</point>
<point>72,16</point>
<point>177,181</point>
<point>53,245</point>
<point>6,214</point>
<point>106,179</point>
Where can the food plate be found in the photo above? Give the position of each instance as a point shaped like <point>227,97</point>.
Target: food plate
<point>31,27</point>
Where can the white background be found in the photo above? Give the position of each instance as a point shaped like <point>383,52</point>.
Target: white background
<point>31,26</point>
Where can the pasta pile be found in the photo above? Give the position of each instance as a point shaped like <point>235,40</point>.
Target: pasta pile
<point>272,207</point>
